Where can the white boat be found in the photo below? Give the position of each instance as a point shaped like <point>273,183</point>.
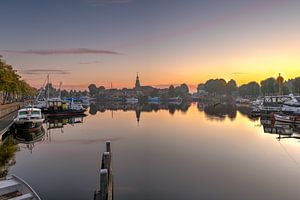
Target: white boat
<point>86,101</point>
<point>241,102</point>
<point>29,118</point>
<point>287,118</point>
<point>132,100</point>
<point>291,105</point>
<point>15,188</point>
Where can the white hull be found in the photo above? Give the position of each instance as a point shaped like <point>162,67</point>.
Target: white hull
<point>32,121</point>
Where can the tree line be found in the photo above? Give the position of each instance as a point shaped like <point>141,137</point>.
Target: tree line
<point>12,87</point>
<point>269,86</point>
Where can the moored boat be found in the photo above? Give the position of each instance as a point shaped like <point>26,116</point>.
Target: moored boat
<point>153,100</point>
<point>175,100</point>
<point>132,100</point>
<point>58,107</point>
<point>292,105</point>
<point>287,118</point>
<point>13,187</point>
<point>29,119</point>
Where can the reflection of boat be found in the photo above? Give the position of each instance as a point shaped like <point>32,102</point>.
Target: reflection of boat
<point>132,100</point>
<point>29,119</point>
<point>59,122</point>
<point>30,137</point>
<point>15,188</point>
<point>279,129</point>
<point>287,118</point>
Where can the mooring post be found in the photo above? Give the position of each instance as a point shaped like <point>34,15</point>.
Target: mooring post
<point>106,160</point>
<point>104,184</point>
<point>108,146</point>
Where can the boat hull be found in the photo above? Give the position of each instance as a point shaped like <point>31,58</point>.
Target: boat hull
<point>287,119</point>
<point>61,113</point>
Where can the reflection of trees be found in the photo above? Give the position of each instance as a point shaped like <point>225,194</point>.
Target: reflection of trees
<point>220,111</point>
<point>7,153</point>
<point>246,111</point>
<point>172,108</point>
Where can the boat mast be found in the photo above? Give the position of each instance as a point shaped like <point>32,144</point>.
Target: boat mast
<point>60,84</point>
<point>48,87</point>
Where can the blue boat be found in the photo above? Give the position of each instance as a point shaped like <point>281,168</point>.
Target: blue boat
<point>153,100</point>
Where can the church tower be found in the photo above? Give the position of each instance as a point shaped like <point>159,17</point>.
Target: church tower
<point>137,82</point>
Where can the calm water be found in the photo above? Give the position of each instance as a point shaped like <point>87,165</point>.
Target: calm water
<point>169,154</point>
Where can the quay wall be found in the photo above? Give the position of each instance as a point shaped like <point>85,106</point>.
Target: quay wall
<point>9,108</point>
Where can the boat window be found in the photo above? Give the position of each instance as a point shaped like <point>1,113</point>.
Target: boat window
<point>35,112</point>
<point>298,99</point>
<point>22,112</point>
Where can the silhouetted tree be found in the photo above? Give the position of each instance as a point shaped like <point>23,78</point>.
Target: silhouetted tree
<point>269,86</point>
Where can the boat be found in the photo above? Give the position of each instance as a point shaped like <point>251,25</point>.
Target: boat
<point>287,118</point>
<point>132,100</point>
<point>153,100</point>
<point>241,102</point>
<point>175,100</point>
<point>86,101</point>
<point>58,107</point>
<point>292,105</point>
<point>272,104</point>
<point>29,119</point>
<point>15,188</point>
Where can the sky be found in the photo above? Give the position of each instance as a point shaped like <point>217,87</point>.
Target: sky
<point>79,42</point>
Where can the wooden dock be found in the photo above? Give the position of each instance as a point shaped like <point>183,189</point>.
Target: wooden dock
<point>106,176</point>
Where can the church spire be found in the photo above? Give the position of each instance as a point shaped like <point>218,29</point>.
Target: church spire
<point>137,82</point>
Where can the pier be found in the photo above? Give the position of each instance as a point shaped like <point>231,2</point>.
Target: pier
<point>106,176</point>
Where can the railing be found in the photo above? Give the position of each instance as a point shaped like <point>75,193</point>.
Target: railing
<point>106,176</point>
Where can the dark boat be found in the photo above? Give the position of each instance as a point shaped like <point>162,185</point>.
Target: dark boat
<point>57,107</point>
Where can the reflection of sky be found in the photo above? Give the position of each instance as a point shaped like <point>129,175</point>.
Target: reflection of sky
<point>190,41</point>
<point>207,159</point>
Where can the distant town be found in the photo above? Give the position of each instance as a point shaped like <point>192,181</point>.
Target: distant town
<point>13,88</point>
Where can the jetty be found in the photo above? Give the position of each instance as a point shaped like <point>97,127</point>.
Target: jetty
<point>106,176</point>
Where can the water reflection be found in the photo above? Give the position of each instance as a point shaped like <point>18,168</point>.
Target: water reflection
<point>60,122</point>
<point>221,111</point>
<point>7,155</point>
<point>27,140</point>
<point>221,144</point>
<point>283,130</point>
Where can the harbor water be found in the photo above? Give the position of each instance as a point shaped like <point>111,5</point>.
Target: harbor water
<point>190,153</point>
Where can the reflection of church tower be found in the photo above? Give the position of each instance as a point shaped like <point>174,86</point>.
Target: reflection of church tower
<point>138,115</point>
<point>137,82</point>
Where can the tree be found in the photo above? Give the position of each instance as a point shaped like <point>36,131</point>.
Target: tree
<point>93,90</point>
<point>269,86</point>
<point>11,85</point>
<point>296,85</point>
<point>171,91</point>
<point>250,89</point>
<point>216,86</point>
<point>231,86</point>
<point>200,87</point>
<point>184,88</point>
